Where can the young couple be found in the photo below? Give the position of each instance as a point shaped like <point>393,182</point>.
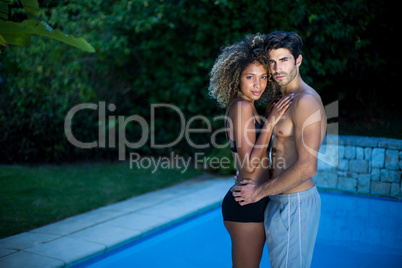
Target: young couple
<point>274,198</point>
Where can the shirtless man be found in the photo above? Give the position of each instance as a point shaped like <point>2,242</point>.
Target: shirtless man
<point>293,212</point>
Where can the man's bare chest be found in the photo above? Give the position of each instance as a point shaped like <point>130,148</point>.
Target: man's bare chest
<point>284,128</point>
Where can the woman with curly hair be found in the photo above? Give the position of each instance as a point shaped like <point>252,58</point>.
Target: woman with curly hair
<point>239,77</point>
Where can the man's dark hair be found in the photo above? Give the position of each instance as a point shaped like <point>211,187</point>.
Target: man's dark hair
<point>282,39</point>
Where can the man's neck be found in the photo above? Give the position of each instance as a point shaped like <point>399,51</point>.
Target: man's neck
<point>293,87</point>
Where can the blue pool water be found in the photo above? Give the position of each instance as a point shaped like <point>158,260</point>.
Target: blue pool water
<point>355,231</point>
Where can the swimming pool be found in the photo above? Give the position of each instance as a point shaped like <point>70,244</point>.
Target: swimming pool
<point>355,231</point>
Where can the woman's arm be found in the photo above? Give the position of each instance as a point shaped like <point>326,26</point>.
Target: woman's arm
<point>251,150</point>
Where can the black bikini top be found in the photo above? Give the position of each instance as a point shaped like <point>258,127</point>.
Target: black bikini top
<point>232,143</point>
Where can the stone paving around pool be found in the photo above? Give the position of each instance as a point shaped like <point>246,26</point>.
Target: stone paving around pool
<point>81,237</point>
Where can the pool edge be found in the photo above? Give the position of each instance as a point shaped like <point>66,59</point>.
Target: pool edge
<point>67,243</point>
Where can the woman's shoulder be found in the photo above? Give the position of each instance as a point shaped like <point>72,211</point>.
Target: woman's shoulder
<point>240,104</point>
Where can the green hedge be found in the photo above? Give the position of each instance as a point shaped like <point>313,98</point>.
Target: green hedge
<point>161,52</point>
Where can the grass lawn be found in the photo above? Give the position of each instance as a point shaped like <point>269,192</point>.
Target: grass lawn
<point>34,196</point>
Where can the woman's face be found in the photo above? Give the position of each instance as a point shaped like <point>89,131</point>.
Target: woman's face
<point>253,81</point>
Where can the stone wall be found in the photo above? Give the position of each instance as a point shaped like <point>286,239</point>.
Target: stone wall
<point>364,165</point>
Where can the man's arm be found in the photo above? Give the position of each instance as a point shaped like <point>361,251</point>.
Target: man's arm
<point>306,116</point>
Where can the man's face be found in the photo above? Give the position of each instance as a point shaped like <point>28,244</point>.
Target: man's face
<point>283,66</point>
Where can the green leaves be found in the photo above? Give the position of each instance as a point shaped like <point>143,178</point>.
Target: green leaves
<point>31,8</point>
<point>19,34</point>
<point>162,51</point>
<point>4,9</point>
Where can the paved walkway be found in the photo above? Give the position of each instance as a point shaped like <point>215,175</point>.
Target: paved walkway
<point>81,237</point>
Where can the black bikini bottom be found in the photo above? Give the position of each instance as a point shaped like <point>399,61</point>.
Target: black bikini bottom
<point>232,211</point>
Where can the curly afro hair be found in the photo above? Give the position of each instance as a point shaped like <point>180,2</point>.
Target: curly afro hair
<point>225,74</point>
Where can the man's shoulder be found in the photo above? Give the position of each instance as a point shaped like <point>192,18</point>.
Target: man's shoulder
<point>304,105</point>
<point>307,99</point>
